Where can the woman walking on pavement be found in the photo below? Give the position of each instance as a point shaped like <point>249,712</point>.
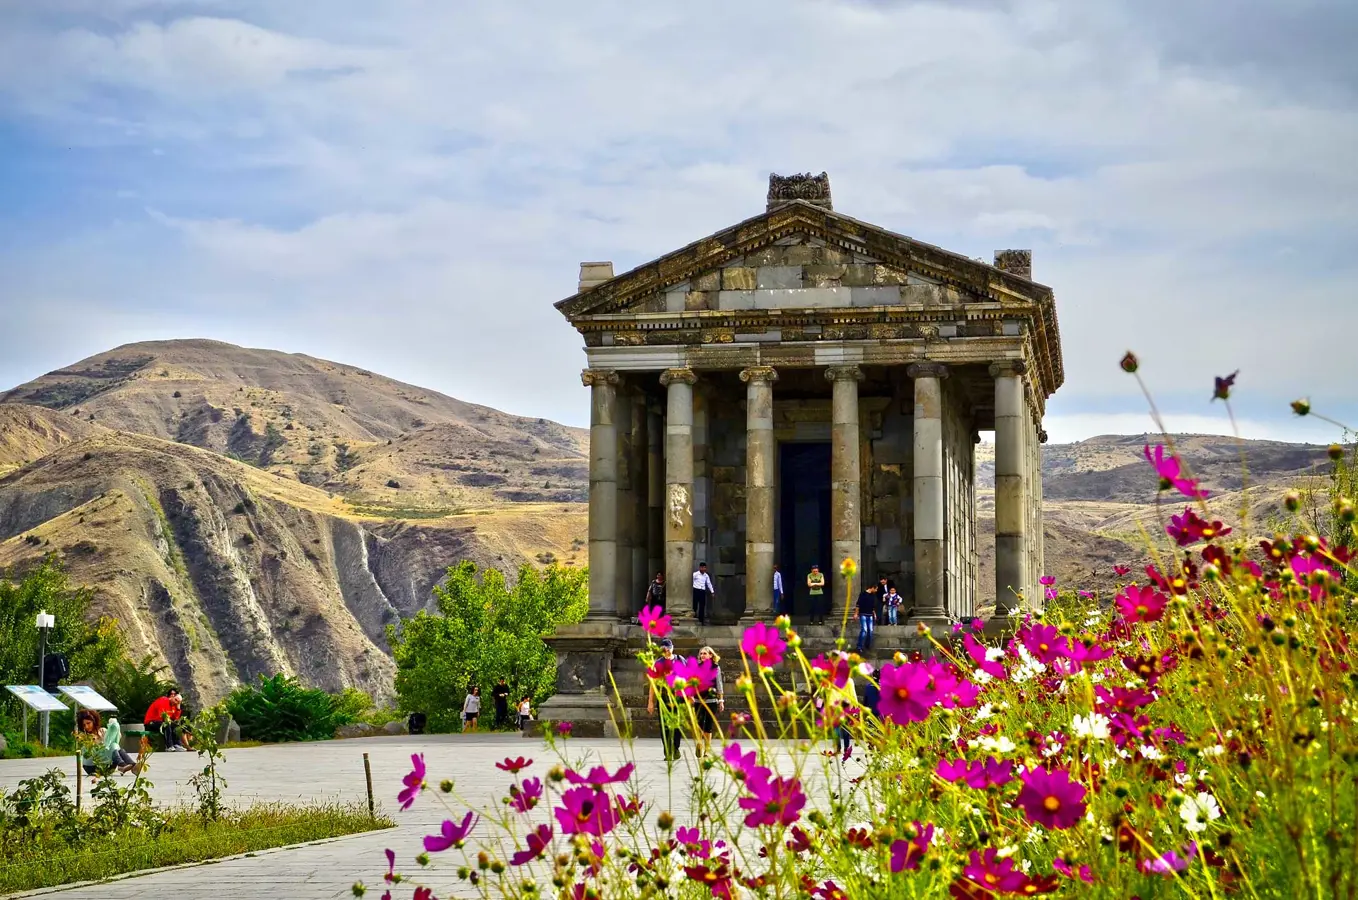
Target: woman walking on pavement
<point>471,709</point>
<point>710,702</point>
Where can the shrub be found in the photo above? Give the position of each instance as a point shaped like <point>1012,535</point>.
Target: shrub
<point>133,686</point>
<point>281,709</point>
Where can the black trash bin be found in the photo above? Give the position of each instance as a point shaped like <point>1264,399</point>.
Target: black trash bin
<point>416,723</point>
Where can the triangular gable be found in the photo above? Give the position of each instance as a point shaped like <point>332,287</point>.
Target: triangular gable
<point>801,223</point>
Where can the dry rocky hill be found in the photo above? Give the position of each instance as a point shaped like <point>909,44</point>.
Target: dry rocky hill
<point>243,512</point>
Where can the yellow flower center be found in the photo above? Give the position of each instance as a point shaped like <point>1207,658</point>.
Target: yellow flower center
<point>1051,804</point>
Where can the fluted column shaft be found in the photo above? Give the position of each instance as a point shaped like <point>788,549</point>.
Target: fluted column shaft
<point>655,492</point>
<point>1011,513</point>
<point>678,485</point>
<point>636,524</point>
<point>846,527</point>
<point>759,500</point>
<point>927,491</point>
<point>603,491</point>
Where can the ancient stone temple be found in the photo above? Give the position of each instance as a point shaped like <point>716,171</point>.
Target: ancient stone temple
<point>799,388</point>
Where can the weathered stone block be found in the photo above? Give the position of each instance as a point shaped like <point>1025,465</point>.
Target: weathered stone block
<point>769,256</point>
<point>707,281</point>
<point>834,256</point>
<point>772,334</point>
<point>804,298</point>
<point>742,278</point>
<point>888,275</point>
<point>1012,328</point>
<point>922,295</point>
<point>823,276</point>
<point>802,255</point>
<point>736,299</point>
<point>694,300</point>
<point>778,277</point>
<point>674,299</point>
<point>859,275</point>
<point>875,296</point>
<point>947,331</point>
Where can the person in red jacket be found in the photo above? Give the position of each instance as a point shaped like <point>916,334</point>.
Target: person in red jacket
<point>163,717</point>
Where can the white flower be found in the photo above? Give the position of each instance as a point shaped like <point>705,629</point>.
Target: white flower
<point>1051,750</point>
<point>1150,752</point>
<point>1198,811</point>
<point>992,744</point>
<point>994,654</point>
<point>1026,865</point>
<point>982,677</point>
<point>1214,750</point>
<point>1093,726</point>
<point>1006,851</point>
<point>982,712</point>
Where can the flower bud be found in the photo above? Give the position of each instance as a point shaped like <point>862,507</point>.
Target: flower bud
<point>359,889</point>
<point>1129,362</point>
<point>1292,501</point>
<point>1302,407</point>
<point>446,785</point>
<point>1343,508</point>
<point>1336,452</point>
<point>848,568</point>
<point>665,821</point>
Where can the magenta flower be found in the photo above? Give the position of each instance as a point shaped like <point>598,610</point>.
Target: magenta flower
<point>513,766</point>
<point>1119,571</point>
<point>907,693</point>
<point>1170,862</point>
<point>525,797</point>
<point>598,776</point>
<point>1084,873</point>
<point>763,644</point>
<point>1168,470</point>
<point>538,841</point>
<point>1189,528</point>
<point>908,854</point>
<point>564,729</point>
<point>1221,388</point>
<point>776,801</point>
<point>1141,604</point>
<point>1047,580</point>
<point>585,810</point>
<point>835,671</point>
<point>1045,643</point>
<point>992,873</point>
<point>451,835</point>
<point>690,677</point>
<point>744,763</point>
<point>977,651</point>
<point>1051,799</point>
<point>414,782</point>
<point>654,621</point>
<point>979,774</point>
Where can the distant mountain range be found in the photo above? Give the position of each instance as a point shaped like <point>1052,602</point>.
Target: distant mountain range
<point>243,512</point>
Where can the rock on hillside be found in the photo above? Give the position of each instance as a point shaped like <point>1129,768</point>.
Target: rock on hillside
<point>228,572</point>
<point>31,432</point>
<point>323,423</point>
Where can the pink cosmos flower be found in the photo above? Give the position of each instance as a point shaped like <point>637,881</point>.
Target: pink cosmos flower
<point>978,774</point>
<point>654,621</point>
<point>1051,799</point>
<point>1170,862</point>
<point>526,796</point>
<point>451,835</point>
<point>538,841</point>
<point>1141,604</point>
<point>1084,873</point>
<point>1045,643</point>
<point>1119,571</point>
<point>739,761</point>
<point>908,854</point>
<point>763,644</point>
<point>994,873</point>
<point>414,782</point>
<point>1221,387</point>
<point>513,766</point>
<point>564,729</point>
<point>776,801</point>
<point>977,651</point>
<point>1168,469</point>
<point>1189,528</point>
<point>598,776</point>
<point>1047,580</point>
<point>907,694</point>
<point>691,677</point>
<point>834,670</point>
<point>585,810</point>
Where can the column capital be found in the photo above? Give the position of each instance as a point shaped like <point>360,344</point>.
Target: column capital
<point>926,370</point>
<point>1042,436</point>
<point>599,377</point>
<point>759,373</point>
<point>683,376</point>
<point>843,373</point>
<point>1010,367</point>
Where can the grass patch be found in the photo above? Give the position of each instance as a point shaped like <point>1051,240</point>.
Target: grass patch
<point>185,838</point>
<point>17,749</point>
<point>386,511</point>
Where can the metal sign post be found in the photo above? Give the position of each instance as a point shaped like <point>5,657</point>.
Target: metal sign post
<point>46,621</point>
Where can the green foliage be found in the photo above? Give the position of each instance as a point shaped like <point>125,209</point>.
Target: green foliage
<point>133,686</point>
<point>281,709</point>
<point>91,648</point>
<point>208,784</point>
<point>484,630</point>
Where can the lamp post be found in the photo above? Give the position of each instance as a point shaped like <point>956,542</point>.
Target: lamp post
<point>46,622</point>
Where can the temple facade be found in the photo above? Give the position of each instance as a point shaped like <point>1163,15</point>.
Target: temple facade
<point>804,387</point>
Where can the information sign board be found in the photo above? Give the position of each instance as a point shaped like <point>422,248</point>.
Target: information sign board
<point>87,697</point>
<point>36,698</point>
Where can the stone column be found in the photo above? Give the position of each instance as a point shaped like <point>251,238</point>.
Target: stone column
<point>622,574</point>
<point>1011,415</point>
<point>655,492</point>
<point>759,504</point>
<point>638,524</point>
<point>679,489</point>
<point>846,527</point>
<point>603,492</point>
<point>927,488</point>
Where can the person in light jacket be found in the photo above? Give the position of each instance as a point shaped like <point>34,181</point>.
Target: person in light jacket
<point>471,709</point>
<point>703,590</point>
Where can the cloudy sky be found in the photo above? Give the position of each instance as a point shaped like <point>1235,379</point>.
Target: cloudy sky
<point>409,186</point>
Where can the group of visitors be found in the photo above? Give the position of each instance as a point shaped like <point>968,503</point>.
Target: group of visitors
<point>704,707</point>
<point>876,602</point>
<point>471,707</point>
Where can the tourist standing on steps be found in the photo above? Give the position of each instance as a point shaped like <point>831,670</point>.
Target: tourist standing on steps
<point>471,710</point>
<point>670,733</point>
<point>703,591</point>
<point>815,585</point>
<point>892,604</point>
<point>655,592</point>
<point>778,601</point>
<point>867,617</point>
<point>710,702</point>
<point>500,694</point>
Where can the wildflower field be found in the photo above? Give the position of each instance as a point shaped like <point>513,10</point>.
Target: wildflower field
<point>1198,738</point>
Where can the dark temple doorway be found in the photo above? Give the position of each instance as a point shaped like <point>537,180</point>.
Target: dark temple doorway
<point>804,517</point>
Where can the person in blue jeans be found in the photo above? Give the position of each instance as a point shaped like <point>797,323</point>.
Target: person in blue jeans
<point>892,604</point>
<point>778,605</point>
<point>867,617</point>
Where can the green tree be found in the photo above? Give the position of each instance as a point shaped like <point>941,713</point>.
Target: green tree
<point>134,686</point>
<point>485,629</point>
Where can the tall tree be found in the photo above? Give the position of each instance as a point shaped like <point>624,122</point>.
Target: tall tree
<point>485,629</point>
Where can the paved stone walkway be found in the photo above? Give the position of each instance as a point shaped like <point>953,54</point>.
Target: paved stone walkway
<point>333,770</point>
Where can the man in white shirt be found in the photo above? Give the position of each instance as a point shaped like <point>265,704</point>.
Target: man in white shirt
<point>702,589</point>
<point>778,592</point>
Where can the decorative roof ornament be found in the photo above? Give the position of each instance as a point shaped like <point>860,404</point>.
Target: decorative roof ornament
<point>814,189</point>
